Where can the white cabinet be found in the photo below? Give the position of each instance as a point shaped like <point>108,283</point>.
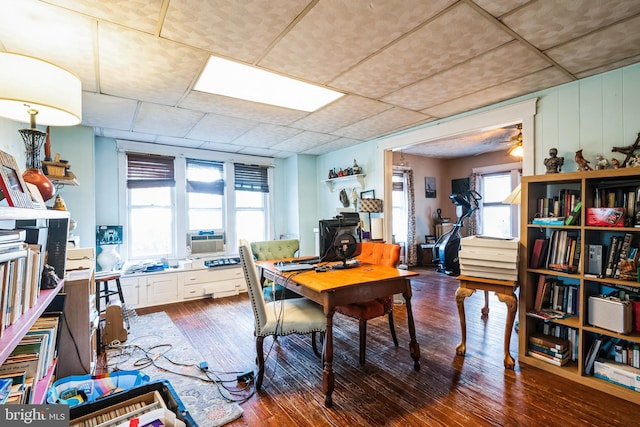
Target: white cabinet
<point>216,283</point>
<point>143,290</point>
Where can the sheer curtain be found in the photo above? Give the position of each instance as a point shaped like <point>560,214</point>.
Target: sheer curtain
<point>474,225</point>
<point>411,253</point>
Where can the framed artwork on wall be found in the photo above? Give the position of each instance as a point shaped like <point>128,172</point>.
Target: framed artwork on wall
<point>430,187</point>
<point>13,187</point>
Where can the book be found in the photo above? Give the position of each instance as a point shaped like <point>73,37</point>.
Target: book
<point>5,389</point>
<point>553,352</point>
<point>574,216</point>
<point>547,358</point>
<point>549,341</point>
<point>538,253</point>
<point>623,253</point>
<point>611,255</point>
<point>592,355</point>
<point>540,292</point>
<point>12,236</point>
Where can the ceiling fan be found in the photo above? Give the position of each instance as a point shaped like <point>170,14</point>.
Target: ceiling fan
<point>516,149</point>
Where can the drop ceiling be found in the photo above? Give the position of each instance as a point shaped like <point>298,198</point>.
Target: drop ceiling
<point>400,63</point>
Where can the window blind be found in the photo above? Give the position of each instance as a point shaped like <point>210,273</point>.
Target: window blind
<point>251,178</point>
<point>149,170</point>
<point>205,177</point>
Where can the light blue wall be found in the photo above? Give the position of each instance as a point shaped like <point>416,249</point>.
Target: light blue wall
<point>75,144</point>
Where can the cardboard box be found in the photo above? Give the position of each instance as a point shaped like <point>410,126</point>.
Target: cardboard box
<point>617,373</point>
<point>605,217</point>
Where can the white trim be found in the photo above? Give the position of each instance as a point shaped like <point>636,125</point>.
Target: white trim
<point>520,112</point>
<point>506,167</point>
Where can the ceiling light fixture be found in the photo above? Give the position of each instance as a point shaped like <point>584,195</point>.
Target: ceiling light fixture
<point>516,149</point>
<point>30,87</point>
<point>228,78</point>
<point>403,162</point>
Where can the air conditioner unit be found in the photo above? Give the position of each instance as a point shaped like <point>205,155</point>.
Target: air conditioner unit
<point>202,242</point>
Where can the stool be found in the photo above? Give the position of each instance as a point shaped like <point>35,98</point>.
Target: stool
<point>103,291</point>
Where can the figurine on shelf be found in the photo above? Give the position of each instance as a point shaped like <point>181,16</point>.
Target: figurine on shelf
<point>332,174</point>
<point>615,162</point>
<point>356,169</point>
<point>554,163</point>
<point>601,162</point>
<point>340,173</point>
<point>49,278</point>
<point>581,162</point>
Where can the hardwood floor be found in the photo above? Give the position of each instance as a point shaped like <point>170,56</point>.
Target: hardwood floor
<point>448,390</point>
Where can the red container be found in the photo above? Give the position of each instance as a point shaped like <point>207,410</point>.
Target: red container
<point>636,316</point>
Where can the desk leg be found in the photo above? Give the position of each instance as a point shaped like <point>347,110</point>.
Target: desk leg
<point>414,347</point>
<point>461,294</point>
<point>512,302</point>
<point>328,379</point>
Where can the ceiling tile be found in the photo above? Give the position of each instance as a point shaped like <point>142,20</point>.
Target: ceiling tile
<point>437,46</point>
<point>304,141</point>
<point>614,43</point>
<point>53,34</point>
<point>502,64</point>
<point>498,8</point>
<point>238,29</point>
<point>266,136</point>
<point>140,66</point>
<point>511,89</point>
<point>144,15</point>
<point>343,112</point>
<point>551,23</point>
<point>169,121</point>
<point>336,35</point>
<point>386,122</point>
<point>232,107</point>
<point>256,151</point>
<point>338,144</point>
<point>222,129</point>
<point>108,111</point>
<point>216,146</point>
<point>180,142</point>
<point>129,136</point>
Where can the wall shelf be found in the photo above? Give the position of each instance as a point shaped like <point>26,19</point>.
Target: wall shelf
<point>348,181</point>
<point>60,181</point>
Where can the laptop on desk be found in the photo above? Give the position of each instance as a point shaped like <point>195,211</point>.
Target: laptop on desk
<point>282,268</point>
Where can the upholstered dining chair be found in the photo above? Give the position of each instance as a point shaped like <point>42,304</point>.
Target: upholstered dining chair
<point>387,254</point>
<point>280,317</point>
<point>275,249</point>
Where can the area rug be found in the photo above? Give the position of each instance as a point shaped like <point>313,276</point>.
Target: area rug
<point>153,343</point>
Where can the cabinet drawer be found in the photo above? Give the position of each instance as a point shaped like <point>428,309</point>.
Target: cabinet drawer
<point>213,275</point>
<point>213,289</point>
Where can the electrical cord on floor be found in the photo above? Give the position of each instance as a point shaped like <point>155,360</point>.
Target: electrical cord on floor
<point>152,354</point>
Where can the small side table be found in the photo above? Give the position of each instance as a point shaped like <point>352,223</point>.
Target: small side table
<point>425,254</point>
<point>505,291</point>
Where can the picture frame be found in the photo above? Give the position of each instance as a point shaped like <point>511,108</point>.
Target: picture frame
<point>37,201</point>
<point>12,184</point>
<point>369,194</point>
<point>430,239</point>
<point>430,187</point>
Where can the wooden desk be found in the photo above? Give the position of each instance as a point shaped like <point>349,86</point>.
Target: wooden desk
<point>341,287</point>
<point>505,291</point>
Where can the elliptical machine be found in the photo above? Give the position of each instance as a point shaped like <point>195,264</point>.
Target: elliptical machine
<point>446,248</point>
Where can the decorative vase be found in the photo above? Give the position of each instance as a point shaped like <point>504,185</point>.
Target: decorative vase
<point>36,177</point>
<point>109,258</point>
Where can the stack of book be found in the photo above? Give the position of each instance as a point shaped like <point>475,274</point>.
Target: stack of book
<point>550,349</point>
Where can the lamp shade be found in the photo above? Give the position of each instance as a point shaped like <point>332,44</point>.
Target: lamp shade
<point>514,197</point>
<point>28,83</point>
<point>370,205</point>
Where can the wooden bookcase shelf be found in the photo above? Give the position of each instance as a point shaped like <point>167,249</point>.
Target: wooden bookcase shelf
<point>584,184</point>
<point>57,224</point>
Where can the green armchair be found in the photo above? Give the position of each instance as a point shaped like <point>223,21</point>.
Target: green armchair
<point>275,249</point>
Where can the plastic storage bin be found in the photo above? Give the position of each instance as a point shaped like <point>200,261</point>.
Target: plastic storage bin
<point>78,389</point>
<point>163,387</point>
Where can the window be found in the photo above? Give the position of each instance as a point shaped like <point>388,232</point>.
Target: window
<point>205,195</point>
<point>399,207</point>
<point>150,193</point>
<point>497,217</point>
<point>252,190</point>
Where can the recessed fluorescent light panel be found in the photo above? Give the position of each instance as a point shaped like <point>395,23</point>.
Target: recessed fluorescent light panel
<point>228,78</point>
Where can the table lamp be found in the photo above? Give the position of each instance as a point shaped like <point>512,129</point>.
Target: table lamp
<point>31,87</point>
<point>370,206</point>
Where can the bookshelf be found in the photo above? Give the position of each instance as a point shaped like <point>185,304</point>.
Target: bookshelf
<point>574,272</point>
<point>10,218</point>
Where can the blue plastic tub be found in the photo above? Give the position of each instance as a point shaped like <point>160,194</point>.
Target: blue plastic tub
<point>78,389</point>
